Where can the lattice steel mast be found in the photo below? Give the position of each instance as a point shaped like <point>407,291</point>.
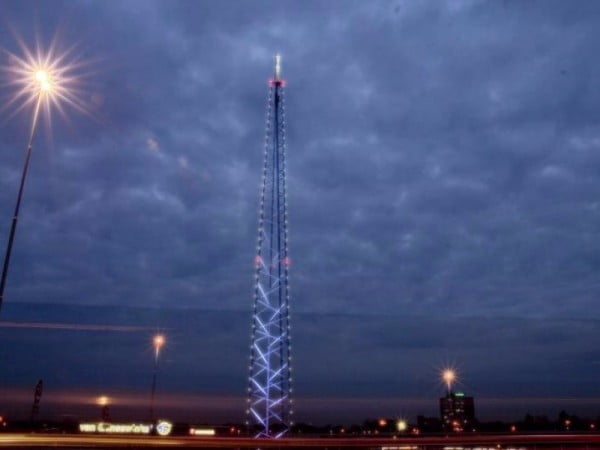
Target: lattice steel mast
<point>269,407</point>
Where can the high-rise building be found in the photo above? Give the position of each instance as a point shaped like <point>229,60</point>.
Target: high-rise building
<point>457,412</point>
<point>269,406</point>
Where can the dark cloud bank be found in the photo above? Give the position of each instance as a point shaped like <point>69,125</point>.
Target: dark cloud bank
<point>346,366</point>
<point>443,182</point>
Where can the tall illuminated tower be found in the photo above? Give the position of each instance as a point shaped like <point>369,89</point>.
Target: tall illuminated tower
<point>269,406</point>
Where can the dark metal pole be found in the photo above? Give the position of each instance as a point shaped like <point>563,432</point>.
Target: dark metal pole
<point>153,387</point>
<point>37,396</point>
<point>15,219</point>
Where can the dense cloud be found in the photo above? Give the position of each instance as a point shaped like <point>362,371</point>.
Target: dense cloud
<point>443,161</point>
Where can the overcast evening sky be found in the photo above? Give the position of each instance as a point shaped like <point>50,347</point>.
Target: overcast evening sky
<point>444,201</point>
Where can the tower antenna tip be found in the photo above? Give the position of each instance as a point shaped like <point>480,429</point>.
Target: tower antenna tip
<point>277,66</point>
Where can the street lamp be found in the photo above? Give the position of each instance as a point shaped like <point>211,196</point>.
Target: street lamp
<point>449,377</point>
<point>103,401</point>
<point>158,342</point>
<point>42,81</point>
<point>401,425</point>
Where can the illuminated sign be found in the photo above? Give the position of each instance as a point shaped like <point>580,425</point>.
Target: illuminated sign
<point>115,428</point>
<point>163,428</point>
<point>202,431</point>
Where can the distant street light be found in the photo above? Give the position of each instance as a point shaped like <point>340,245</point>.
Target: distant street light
<point>401,425</point>
<point>103,401</point>
<point>158,342</point>
<point>449,377</point>
<point>42,81</point>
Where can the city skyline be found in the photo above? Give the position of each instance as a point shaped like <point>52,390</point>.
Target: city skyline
<point>443,198</point>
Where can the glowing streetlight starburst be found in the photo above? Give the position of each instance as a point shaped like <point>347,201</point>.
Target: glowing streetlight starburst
<point>43,79</point>
<point>46,79</point>
<point>158,341</point>
<point>449,377</point>
<point>44,82</point>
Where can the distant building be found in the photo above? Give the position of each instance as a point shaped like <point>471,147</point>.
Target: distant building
<point>429,424</point>
<point>457,412</point>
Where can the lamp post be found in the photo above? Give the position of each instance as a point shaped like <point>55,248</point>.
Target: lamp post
<point>449,377</point>
<point>158,342</point>
<point>42,83</point>
<point>103,401</point>
<point>42,80</point>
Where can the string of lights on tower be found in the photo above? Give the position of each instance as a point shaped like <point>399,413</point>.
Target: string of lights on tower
<point>269,409</point>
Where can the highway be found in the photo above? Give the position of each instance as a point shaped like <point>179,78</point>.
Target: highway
<point>463,442</point>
